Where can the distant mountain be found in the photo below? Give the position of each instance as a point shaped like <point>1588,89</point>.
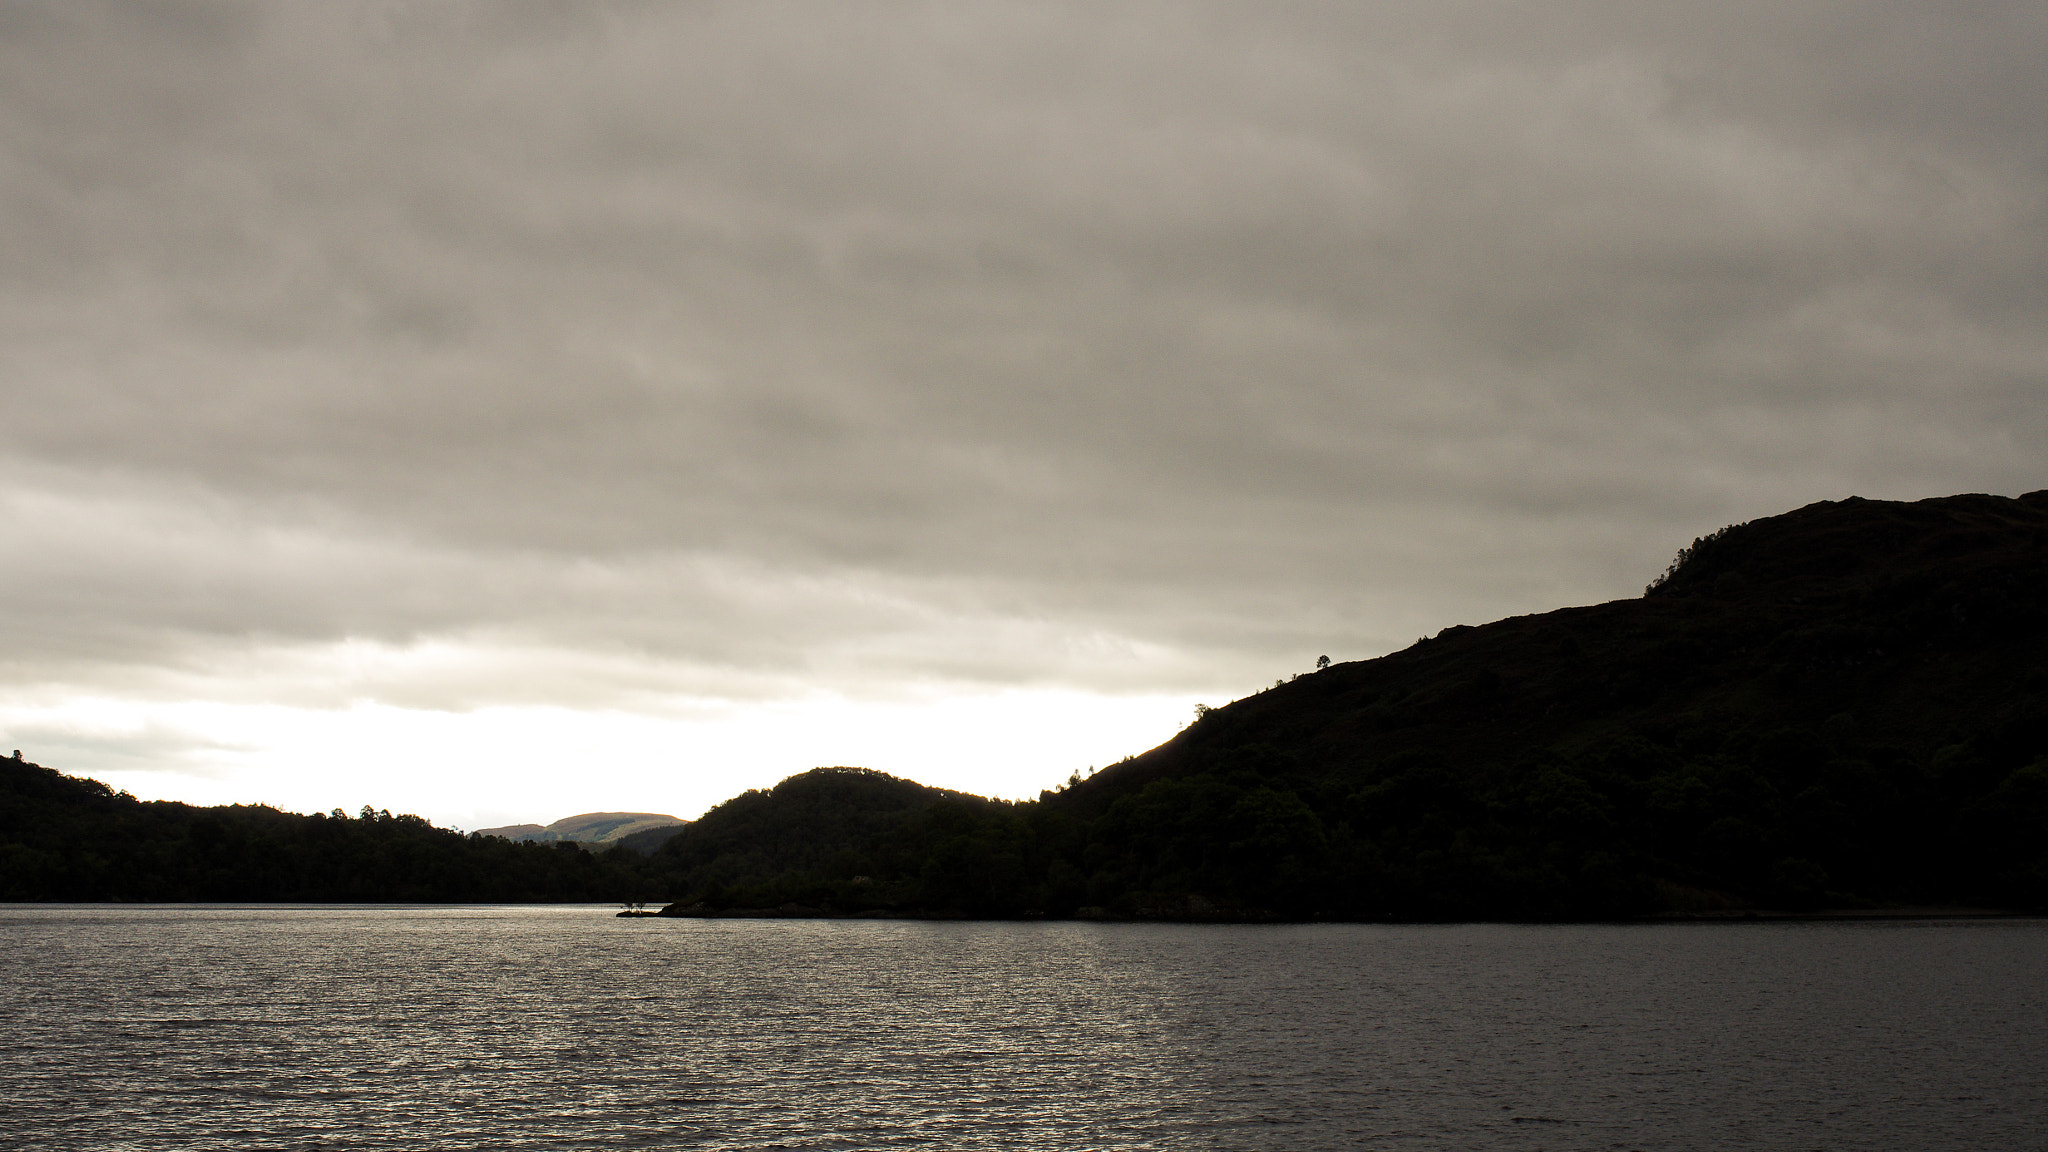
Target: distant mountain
<point>596,828</point>
<point>1846,705</point>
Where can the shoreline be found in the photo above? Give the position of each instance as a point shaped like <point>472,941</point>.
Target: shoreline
<point>1715,916</point>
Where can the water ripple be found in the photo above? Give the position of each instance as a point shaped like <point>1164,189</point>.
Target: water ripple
<point>563,1028</point>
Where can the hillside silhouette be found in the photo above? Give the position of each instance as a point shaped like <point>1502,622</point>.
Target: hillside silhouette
<point>805,840</point>
<point>1846,706</point>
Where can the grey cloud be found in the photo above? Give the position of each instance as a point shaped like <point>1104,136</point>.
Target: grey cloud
<point>1231,332</point>
<point>144,748</point>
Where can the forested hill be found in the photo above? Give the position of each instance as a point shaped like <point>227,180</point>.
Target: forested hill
<point>1843,705</point>
<point>66,838</point>
<point>814,835</point>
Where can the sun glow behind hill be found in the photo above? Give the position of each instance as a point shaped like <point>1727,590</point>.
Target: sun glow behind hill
<point>507,765</point>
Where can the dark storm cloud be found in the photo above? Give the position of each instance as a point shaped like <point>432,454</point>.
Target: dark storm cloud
<point>1121,346</point>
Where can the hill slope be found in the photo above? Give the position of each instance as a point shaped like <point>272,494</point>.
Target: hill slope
<point>1843,705</point>
<point>594,828</point>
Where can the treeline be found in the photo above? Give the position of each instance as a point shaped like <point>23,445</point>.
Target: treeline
<point>71,839</point>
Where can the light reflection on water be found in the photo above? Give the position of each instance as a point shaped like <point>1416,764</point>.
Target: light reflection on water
<point>379,1027</point>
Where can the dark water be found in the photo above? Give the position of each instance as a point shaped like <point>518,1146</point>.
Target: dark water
<point>367,1028</point>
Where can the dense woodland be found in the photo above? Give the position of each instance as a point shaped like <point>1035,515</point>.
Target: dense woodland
<point>1843,706</point>
<point>65,838</point>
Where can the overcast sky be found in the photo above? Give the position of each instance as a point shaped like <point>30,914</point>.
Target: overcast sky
<point>505,410</point>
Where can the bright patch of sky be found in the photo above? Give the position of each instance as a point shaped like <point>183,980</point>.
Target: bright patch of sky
<point>511,410</point>
<point>514,764</point>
